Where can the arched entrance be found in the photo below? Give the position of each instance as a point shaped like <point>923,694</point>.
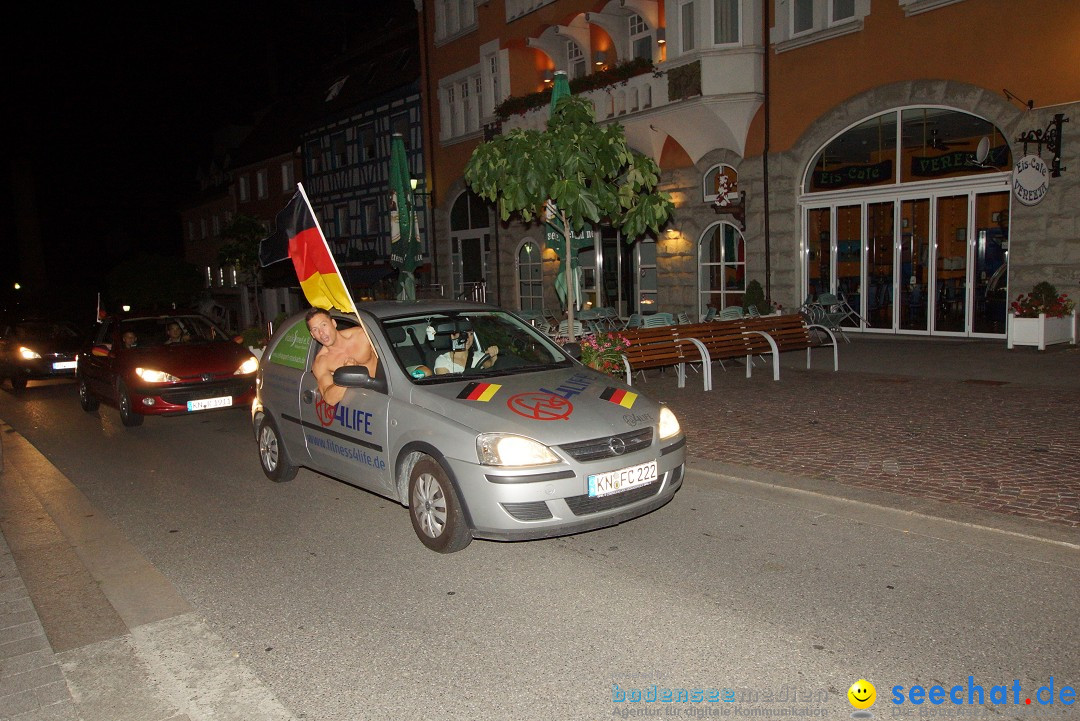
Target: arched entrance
<point>722,267</point>
<point>472,254</point>
<point>530,276</point>
<point>906,214</point>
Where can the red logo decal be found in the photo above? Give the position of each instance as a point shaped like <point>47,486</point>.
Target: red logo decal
<point>540,406</point>
<point>325,412</point>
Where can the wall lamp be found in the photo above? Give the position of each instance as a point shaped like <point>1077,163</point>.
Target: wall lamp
<point>661,36</point>
<point>548,76</point>
<point>601,57</point>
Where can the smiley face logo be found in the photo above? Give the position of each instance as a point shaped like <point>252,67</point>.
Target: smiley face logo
<point>862,694</point>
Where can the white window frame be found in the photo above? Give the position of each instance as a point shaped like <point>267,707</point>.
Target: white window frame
<point>261,187</point>
<point>288,177</point>
<point>459,104</point>
<point>785,38</point>
<point>684,33</point>
<point>454,18</point>
<point>738,24</point>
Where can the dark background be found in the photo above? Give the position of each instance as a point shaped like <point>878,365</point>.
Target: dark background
<point>113,111</point>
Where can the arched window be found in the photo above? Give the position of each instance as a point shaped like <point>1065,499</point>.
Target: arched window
<point>722,263</point>
<point>716,177</point>
<point>470,244</point>
<point>530,275</point>
<point>908,145</point>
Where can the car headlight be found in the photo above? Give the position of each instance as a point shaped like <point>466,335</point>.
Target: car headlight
<point>249,366</point>
<point>502,449</point>
<point>28,354</point>
<point>152,376</point>
<point>669,424</point>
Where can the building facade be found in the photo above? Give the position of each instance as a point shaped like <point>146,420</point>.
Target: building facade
<point>863,148</point>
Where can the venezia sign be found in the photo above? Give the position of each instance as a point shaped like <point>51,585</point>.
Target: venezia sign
<point>1031,179</point>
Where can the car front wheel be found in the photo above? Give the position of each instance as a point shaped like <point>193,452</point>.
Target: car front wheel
<point>18,382</point>
<point>435,510</point>
<point>128,416</point>
<point>273,457</point>
<point>87,401</point>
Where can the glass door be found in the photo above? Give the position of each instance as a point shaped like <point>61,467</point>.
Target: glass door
<point>990,262</point>
<point>951,264</point>
<point>849,256</point>
<point>818,251</point>
<point>914,263</point>
<point>880,251</point>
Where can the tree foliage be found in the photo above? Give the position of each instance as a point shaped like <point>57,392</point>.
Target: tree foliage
<point>588,170</point>
<point>241,248</point>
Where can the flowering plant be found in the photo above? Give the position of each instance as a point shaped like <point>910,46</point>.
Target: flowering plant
<point>603,351</point>
<point>1043,298</point>
<point>776,307</point>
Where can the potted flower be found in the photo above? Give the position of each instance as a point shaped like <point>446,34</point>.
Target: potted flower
<point>603,352</point>
<point>1041,318</point>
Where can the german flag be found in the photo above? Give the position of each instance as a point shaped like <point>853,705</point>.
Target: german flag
<point>298,237</point>
<point>479,392</point>
<point>619,397</point>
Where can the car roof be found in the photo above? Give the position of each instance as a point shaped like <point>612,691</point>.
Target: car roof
<point>386,309</point>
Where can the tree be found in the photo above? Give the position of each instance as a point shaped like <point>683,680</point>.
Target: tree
<point>588,171</point>
<point>241,250</point>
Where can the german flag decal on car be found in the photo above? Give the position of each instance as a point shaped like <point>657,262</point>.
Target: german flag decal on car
<point>479,391</point>
<point>619,397</point>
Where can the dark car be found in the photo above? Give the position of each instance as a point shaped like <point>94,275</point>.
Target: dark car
<point>164,365</point>
<point>34,349</point>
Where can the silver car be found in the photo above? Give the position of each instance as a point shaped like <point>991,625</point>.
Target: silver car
<point>532,445</point>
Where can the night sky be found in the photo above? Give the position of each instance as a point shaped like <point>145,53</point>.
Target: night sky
<point>114,112</point>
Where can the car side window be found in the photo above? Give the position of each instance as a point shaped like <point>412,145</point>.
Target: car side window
<point>292,349</point>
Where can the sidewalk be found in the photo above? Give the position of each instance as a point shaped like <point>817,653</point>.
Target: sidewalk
<point>89,629</point>
<point>962,430</point>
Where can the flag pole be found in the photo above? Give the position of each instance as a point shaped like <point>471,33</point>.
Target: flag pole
<point>303,194</point>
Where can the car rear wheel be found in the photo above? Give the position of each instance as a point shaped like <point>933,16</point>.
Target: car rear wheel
<point>435,510</point>
<point>128,416</point>
<point>18,382</point>
<point>88,402</point>
<point>273,457</point>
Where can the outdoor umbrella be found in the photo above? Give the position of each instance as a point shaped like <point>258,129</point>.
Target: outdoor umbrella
<point>404,233</point>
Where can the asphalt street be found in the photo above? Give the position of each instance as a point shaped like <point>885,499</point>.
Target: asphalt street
<point>316,600</point>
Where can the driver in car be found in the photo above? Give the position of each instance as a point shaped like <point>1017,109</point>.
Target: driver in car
<point>456,359</point>
<point>345,347</point>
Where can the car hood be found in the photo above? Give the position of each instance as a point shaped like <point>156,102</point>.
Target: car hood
<point>50,345</point>
<point>554,406</point>
<point>185,360</point>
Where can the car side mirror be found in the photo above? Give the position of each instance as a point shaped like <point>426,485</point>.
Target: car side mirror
<point>357,377</point>
<point>574,349</point>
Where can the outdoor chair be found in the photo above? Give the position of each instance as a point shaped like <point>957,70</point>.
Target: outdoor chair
<point>732,312</point>
<point>710,314</point>
<point>564,329</point>
<point>682,318</point>
<point>657,320</point>
<point>634,321</point>
<point>827,311</point>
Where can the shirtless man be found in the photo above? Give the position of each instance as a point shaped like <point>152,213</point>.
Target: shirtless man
<point>345,347</point>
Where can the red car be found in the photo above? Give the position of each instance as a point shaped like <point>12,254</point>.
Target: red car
<point>154,365</point>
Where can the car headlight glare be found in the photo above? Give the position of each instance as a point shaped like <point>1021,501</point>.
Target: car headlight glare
<point>669,424</point>
<point>502,449</point>
<point>28,353</point>
<point>153,376</point>
<point>249,366</point>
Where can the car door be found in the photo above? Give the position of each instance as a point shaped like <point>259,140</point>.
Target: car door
<point>96,360</point>
<point>347,441</point>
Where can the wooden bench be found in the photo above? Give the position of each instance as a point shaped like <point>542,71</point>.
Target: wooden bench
<point>790,332</point>
<point>726,340</point>
<point>677,345</point>
<point>657,347</point>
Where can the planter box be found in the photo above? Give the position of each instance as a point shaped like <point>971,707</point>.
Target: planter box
<point>1041,331</point>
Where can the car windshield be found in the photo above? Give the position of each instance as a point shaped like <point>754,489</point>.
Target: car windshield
<point>43,331</point>
<point>446,346</point>
<point>169,330</point>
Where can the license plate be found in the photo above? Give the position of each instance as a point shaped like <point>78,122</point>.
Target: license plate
<point>206,403</point>
<point>604,484</point>
<point>63,365</point>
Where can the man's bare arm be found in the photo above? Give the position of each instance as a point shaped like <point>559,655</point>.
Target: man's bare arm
<point>324,376</point>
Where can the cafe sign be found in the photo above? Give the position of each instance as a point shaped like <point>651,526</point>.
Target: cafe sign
<point>1031,179</point>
